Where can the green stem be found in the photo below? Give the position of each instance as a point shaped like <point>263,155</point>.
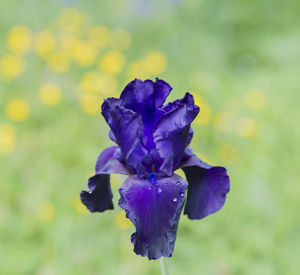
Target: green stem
<point>164,266</point>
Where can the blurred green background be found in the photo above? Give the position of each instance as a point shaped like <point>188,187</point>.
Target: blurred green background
<point>59,59</point>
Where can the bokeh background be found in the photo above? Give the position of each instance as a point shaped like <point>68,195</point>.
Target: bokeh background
<point>59,59</point>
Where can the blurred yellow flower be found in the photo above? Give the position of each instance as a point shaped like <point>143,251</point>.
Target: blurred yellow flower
<point>71,20</point>
<point>90,103</point>
<point>11,66</point>
<point>204,158</point>
<point>50,94</point>
<point>227,153</point>
<point>120,39</point>
<point>17,110</point>
<point>59,61</point>
<point>112,62</point>
<point>44,43</point>
<point>256,99</point>
<point>7,139</point>
<point>198,99</point>
<point>19,39</point>
<point>246,127</point>
<point>46,211</point>
<point>137,70</point>
<point>121,221</point>
<point>79,207</point>
<point>205,113</point>
<point>223,121</point>
<point>83,53</point>
<point>95,82</point>
<point>98,36</point>
<point>155,63</point>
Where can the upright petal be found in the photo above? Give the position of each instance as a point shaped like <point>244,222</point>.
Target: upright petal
<point>144,98</point>
<point>154,207</point>
<point>173,132</point>
<point>207,189</point>
<point>126,126</point>
<point>99,197</point>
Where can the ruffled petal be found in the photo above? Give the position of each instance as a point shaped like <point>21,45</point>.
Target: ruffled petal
<point>145,98</point>
<point>126,127</point>
<point>110,162</point>
<point>99,197</point>
<point>207,189</point>
<point>154,207</point>
<point>173,132</point>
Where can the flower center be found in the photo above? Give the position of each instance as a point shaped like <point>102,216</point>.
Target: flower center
<point>152,178</point>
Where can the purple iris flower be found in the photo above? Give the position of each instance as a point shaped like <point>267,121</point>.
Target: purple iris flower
<point>152,142</point>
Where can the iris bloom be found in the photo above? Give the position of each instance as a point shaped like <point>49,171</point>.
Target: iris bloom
<point>152,142</point>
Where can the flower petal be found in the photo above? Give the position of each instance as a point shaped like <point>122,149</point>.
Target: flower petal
<point>154,207</point>
<point>126,126</point>
<point>208,186</point>
<point>145,98</point>
<point>99,197</point>
<point>173,132</point>
<point>109,162</point>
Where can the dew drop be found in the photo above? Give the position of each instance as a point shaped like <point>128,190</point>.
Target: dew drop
<point>159,190</point>
<point>178,183</point>
<point>181,194</point>
<point>174,200</point>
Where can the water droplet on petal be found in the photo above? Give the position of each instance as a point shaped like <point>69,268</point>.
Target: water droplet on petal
<point>174,200</point>
<point>178,183</point>
<point>159,190</point>
<point>181,194</point>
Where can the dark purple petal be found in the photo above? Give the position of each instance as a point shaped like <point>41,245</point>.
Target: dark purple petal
<point>126,126</point>
<point>109,162</point>
<point>154,207</point>
<point>173,132</point>
<point>145,98</point>
<point>208,186</point>
<point>99,197</point>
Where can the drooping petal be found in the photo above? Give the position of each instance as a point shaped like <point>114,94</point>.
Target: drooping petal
<point>145,98</point>
<point>110,162</point>
<point>154,207</point>
<point>126,127</point>
<point>99,197</point>
<point>173,132</point>
<point>207,189</point>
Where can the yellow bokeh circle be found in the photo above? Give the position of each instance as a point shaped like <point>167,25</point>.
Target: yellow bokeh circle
<point>11,66</point>
<point>112,62</point>
<point>44,43</point>
<point>256,99</point>
<point>59,61</point>
<point>50,94</point>
<point>7,139</point>
<point>90,103</point>
<point>121,221</point>
<point>19,39</point>
<point>17,110</point>
<point>46,211</point>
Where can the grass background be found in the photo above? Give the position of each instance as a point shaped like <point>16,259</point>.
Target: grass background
<point>240,59</point>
